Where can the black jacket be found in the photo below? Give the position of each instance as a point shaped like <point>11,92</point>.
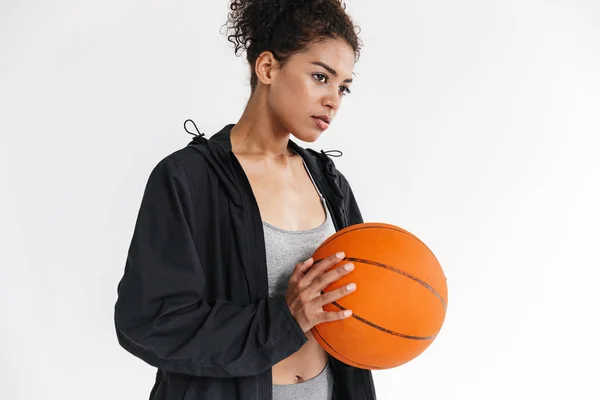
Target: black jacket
<point>193,298</point>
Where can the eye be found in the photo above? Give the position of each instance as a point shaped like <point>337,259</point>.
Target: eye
<point>320,77</point>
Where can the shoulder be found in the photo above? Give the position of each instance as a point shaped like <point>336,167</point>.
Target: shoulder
<point>182,161</point>
<point>337,181</point>
<point>200,158</point>
<point>323,162</point>
<point>184,170</point>
<point>190,158</point>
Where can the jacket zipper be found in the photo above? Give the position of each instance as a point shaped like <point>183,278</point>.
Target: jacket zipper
<point>264,391</point>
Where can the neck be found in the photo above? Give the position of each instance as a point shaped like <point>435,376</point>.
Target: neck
<point>257,133</point>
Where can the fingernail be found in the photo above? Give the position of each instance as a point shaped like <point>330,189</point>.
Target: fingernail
<point>351,287</point>
<point>340,255</point>
<point>307,261</point>
<point>348,313</point>
<point>349,267</point>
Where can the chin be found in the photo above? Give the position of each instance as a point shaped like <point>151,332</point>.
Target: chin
<point>308,136</point>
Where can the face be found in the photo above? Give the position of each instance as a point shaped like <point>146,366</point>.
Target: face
<point>307,92</point>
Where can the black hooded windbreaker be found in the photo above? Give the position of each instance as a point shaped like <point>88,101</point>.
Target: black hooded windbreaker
<point>193,300</point>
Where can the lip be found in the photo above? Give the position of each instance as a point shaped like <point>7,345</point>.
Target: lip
<point>324,118</point>
<point>322,121</point>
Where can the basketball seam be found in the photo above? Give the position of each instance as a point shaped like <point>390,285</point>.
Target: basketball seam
<point>399,271</point>
<point>381,328</point>
<point>361,227</point>
<point>338,353</point>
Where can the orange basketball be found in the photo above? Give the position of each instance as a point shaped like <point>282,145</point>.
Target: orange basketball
<point>399,304</point>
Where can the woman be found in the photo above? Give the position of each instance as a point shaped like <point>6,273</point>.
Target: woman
<point>219,290</point>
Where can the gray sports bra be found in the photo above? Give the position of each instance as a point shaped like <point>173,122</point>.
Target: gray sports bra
<point>286,248</point>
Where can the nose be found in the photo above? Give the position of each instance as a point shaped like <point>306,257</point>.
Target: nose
<point>332,99</point>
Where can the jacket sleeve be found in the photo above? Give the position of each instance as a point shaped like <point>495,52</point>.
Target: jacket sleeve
<point>160,316</point>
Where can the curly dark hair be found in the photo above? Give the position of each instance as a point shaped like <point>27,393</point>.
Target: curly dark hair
<point>285,27</point>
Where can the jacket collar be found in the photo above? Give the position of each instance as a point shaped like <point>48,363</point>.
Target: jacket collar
<point>319,164</point>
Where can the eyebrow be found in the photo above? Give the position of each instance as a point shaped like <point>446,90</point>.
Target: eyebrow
<point>329,69</point>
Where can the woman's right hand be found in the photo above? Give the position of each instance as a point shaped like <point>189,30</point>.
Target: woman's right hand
<point>305,297</point>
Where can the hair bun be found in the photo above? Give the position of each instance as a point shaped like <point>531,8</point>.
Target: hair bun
<point>286,26</point>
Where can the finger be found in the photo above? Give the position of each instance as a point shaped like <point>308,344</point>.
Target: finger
<point>331,276</point>
<point>330,297</point>
<point>304,266</point>
<point>329,316</point>
<point>324,265</point>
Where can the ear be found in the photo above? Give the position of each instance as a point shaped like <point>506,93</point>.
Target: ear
<point>266,67</point>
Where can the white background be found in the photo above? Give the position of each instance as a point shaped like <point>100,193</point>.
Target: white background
<point>472,124</point>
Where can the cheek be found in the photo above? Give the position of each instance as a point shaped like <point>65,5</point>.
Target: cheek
<point>292,98</point>
<point>306,90</point>
<point>296,91</point>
